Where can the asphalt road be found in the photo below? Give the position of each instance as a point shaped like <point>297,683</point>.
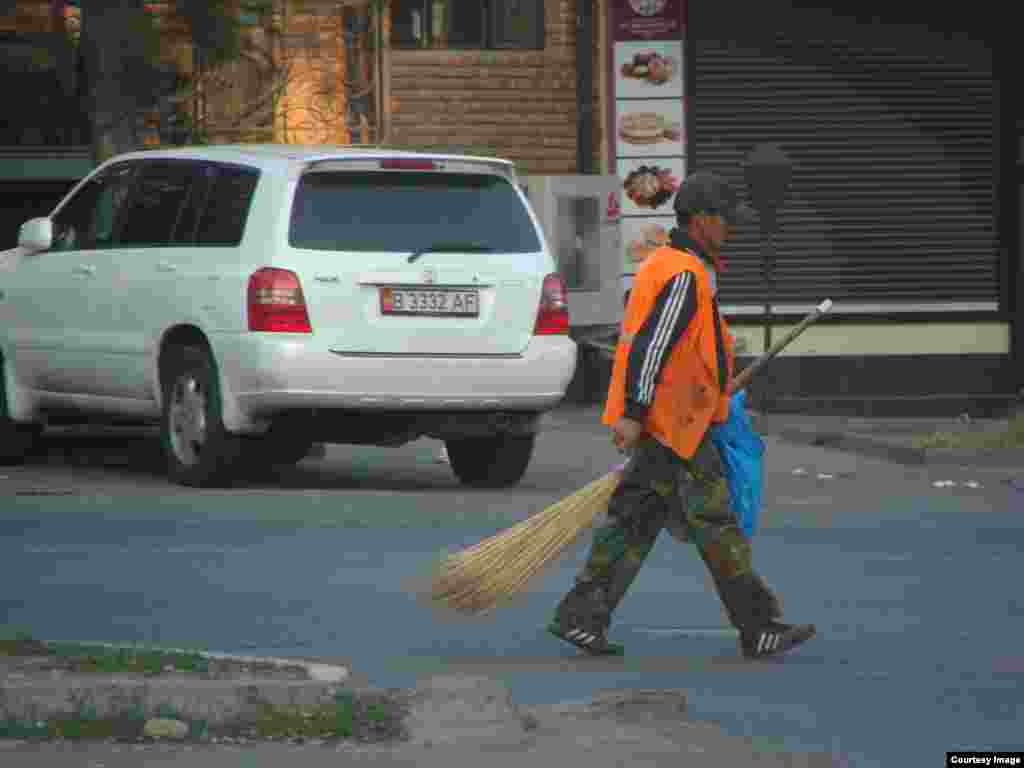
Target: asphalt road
<point>915,589</point>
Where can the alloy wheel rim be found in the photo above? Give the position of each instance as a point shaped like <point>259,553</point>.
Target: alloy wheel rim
<point>188,429</point>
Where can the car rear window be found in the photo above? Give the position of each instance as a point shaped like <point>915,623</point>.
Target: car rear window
<point>408,211</point>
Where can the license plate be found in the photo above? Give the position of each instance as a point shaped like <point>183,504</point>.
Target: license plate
<point>433,301</point>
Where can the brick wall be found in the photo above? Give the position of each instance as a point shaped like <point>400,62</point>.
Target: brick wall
<point>312,109</point>
<point>27,16</point>
<point>515,104</point>
<point>599,61</point>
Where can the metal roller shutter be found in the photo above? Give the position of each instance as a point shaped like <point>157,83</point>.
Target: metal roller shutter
<point>891,132</point>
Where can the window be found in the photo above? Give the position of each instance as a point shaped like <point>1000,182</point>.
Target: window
<point>226,209</point>
<point>406,212</point>
<point>156,204</point>
<point>188,221</point>
<point>517,24</point>
<point>459,24</point>
<point>86,222</point>
<point>467,24</point>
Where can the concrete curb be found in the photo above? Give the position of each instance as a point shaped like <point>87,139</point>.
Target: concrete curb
<point>33,698</point>
<point>324,673</point>
<point>855,444</point>
<point>445,710</point>
<point>216,702</point>
<point>901,453</point>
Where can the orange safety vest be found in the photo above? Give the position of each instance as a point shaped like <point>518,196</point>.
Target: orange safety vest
<point>687,397</point>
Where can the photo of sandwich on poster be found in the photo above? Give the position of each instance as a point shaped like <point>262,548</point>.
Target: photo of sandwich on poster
<point>648,128</point>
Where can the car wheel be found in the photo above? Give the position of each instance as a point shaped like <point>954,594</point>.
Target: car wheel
<point>200,451</point>
<point>493,462</point>
<point>16,440</point>
<point>288,452</point>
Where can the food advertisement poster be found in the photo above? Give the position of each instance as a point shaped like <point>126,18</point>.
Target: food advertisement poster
<point>649,69</point>
<point>650,128</point>
<point>648,114</point>
<point>648,186</point>
<point>647,19</point>
<point>641,235</point>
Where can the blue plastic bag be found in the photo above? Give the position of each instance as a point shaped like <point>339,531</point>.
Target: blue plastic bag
<point>742,453</point>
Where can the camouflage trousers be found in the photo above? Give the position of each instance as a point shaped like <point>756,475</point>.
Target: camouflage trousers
<point>690,498</point>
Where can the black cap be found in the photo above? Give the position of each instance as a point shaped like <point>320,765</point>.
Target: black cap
<point>709,193</point>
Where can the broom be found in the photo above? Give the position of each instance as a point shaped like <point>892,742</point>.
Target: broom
<point>479,578</point>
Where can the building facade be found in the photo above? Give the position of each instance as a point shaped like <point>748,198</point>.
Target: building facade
<point>905,140</point>
<point>904,205</point>
<point>900,210</point>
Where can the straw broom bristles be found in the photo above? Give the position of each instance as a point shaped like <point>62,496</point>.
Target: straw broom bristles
<point>478,578</point>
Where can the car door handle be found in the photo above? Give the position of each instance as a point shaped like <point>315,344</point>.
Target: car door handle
<point>88,270</point>
<point>166,266</point>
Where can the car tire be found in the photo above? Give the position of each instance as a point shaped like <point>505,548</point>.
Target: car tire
<point>278,450</point>
<point>200,452</point>
<point>493,462</point>
<point>288,452</point>
<point>17,441</point>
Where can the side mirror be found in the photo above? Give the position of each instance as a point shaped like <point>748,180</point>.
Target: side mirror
<point>36,234</point>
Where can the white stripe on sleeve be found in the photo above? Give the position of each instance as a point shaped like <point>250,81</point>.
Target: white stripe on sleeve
<point>659,344</point>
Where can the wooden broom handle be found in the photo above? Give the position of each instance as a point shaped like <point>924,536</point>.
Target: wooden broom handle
<point>743,378</point>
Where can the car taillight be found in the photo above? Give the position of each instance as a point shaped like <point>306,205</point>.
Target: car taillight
<point>276,303</point>
<point>553,315</point>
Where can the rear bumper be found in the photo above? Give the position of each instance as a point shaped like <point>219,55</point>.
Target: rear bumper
<point>268,375</point>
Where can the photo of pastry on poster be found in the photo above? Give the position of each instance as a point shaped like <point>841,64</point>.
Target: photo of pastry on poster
<point>647,19</point>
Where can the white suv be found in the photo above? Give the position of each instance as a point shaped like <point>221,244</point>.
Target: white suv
<point>258,299</point>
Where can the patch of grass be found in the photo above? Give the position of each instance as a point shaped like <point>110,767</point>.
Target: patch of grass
<point>81,728</point>
<point>320,721</point>
<point>101,659</point>
<point>22,645</point>
<point>167,712</point>
<point>348,717</point>
<point>365,718</point>
<point>23,729</point>
<point>1009,438</point>
<point>199,729</point>
<point>14,632</point>
<point>82,657</point>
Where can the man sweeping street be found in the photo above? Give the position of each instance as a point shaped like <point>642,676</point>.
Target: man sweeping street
<point>670,384</point>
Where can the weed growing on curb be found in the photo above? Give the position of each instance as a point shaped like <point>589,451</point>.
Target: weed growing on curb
<point>83,657</point>
<point>1011,437</point>
<point>321,721</point>
<point>20,643</point>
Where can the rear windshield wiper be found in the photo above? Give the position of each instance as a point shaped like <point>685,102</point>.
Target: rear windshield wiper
<point>453,247</point>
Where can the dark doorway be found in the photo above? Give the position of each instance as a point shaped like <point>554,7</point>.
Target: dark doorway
<point>23,200</point>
